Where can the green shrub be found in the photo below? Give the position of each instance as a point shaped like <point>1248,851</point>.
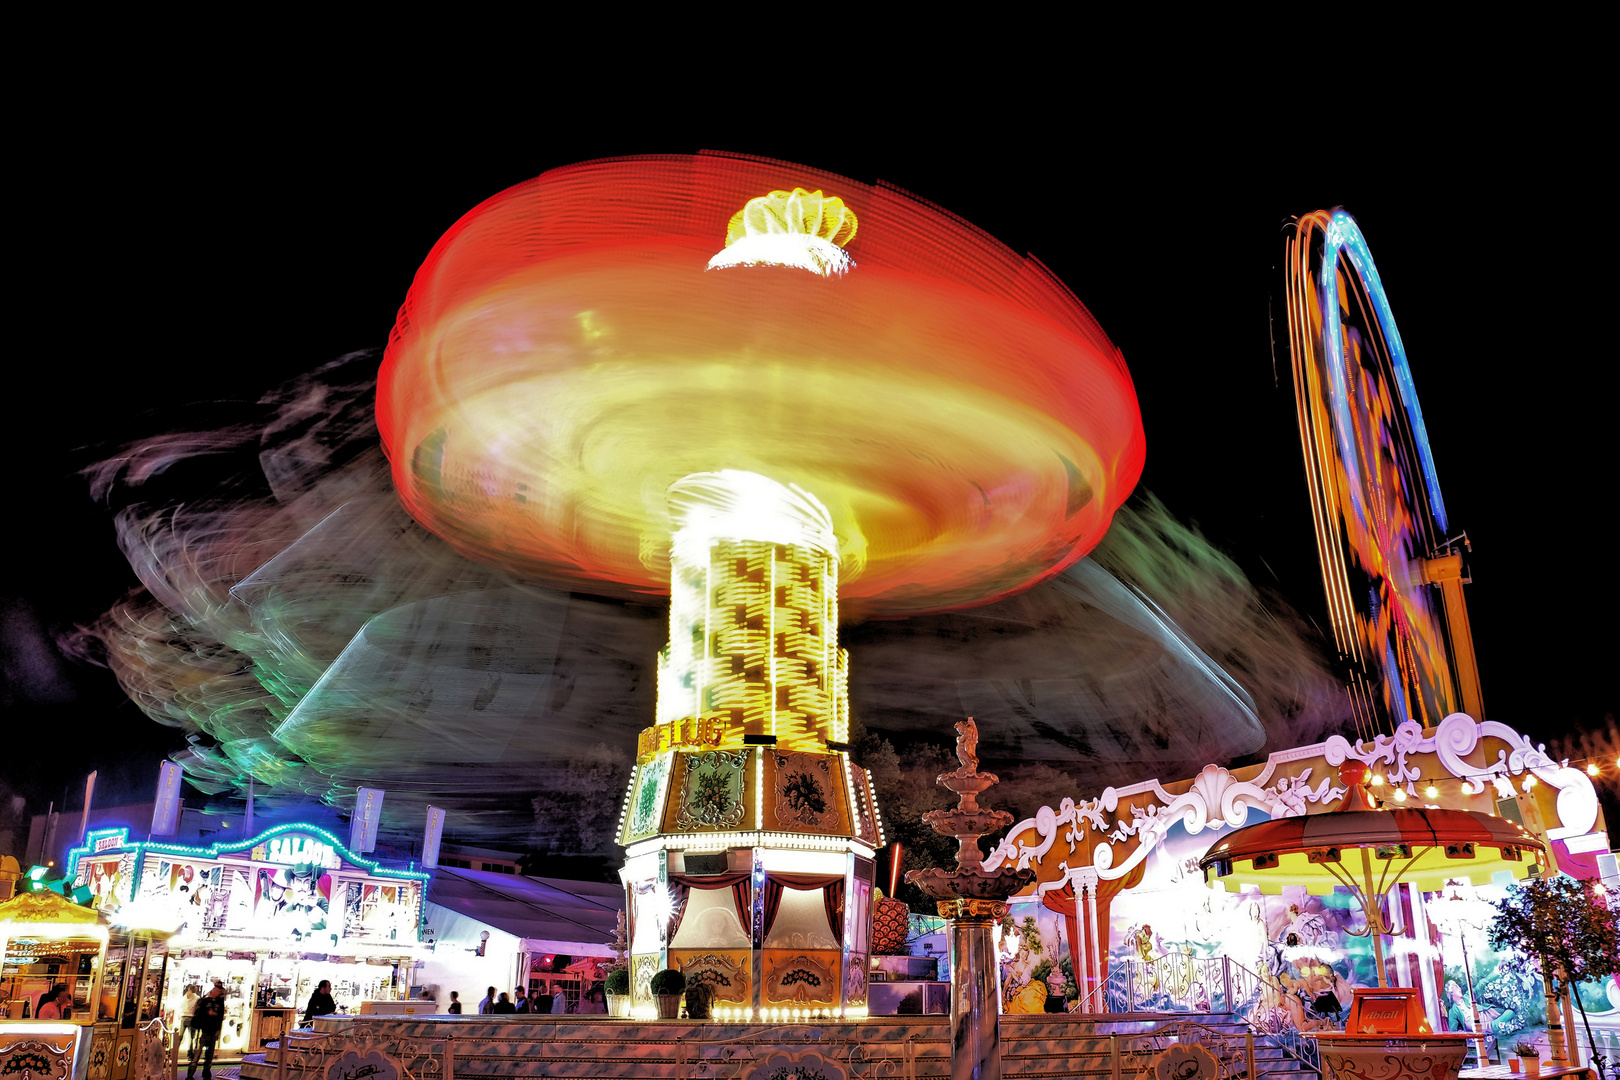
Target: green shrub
<point>618,981</point>
<point>668,981</point>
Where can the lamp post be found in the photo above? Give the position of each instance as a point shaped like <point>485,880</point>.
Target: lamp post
<point>1456,913</point>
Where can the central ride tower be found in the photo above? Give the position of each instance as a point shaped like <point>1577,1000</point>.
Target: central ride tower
<point>749,832</point>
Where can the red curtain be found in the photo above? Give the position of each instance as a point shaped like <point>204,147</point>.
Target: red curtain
<point>833,898</point>
<point>680,885</point>
<point>773,901</point>
<point>775,883</point>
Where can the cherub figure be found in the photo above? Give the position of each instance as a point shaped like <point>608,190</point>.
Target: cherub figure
<point>967,744</point>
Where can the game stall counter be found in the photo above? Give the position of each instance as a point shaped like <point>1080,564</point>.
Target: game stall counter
<point>270,916</point>
<point>46,940</point>
<point>1388,1036</point>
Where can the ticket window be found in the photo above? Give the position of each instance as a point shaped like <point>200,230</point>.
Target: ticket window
<point>351,983</point>
<point>33,966</point>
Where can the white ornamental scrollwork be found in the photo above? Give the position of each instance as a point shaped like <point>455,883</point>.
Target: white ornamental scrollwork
<point>1217,799</point>
<point>1457,735</point>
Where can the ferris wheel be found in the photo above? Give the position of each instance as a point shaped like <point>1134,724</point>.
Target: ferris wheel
<point>1392,570</point>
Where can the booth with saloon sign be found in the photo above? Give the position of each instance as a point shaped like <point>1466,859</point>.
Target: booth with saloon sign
<point>270,916</point>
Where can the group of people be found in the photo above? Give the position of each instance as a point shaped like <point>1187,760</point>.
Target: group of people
<point>519,1001</point>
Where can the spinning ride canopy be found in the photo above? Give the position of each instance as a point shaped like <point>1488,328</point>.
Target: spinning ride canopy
<point>565,354</point>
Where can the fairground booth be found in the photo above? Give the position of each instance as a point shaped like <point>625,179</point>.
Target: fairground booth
<point>98,980</point>
<point>270,916</point>
<point>1120,917</point>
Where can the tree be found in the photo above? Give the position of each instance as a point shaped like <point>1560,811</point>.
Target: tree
<point>1567,928</point>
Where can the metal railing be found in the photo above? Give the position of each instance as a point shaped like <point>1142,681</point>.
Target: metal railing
<point>157,1052</point>
<point>1190,1048</point>
<point>1183,983</point>
<point>302,1053</point>
<point>729,1059</point>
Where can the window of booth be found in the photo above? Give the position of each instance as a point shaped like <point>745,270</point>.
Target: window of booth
<point>710,922</point>
<point>33,966</point>
<point>801,922</point>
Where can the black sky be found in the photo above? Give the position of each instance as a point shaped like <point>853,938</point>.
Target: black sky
<point>184,255</point>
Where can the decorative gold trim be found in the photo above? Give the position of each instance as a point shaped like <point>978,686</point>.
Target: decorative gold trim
<point>963,908</point>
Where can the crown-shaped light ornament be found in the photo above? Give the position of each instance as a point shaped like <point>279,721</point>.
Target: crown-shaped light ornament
<point>798,228</point>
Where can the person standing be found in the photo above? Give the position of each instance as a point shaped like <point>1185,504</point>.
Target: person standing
<point>455,1003</point>
<point>520,999</point>
<point>320,1002</point>
<point>503,1006</point>
<point>206,1019</point>
<point>188,1034</point>
<point>488,1004</point>
<point>559,1002</point>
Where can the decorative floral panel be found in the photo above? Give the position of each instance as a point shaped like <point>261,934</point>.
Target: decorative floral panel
<point>725,971</point>
<point>807,793</point>
<point>712,791</point>
<point>801,978</point>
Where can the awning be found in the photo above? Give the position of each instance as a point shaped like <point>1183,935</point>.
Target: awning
<point>548,914</point>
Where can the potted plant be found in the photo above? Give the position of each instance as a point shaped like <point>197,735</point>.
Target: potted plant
<point>699,999</point>
<point>1530,1056</point>
<point>617,985</point>
<point>667,987</point>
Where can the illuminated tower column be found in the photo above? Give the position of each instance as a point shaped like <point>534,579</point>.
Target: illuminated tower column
<point>749,831</point>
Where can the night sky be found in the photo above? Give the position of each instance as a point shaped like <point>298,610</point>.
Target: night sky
<point>185,260</point>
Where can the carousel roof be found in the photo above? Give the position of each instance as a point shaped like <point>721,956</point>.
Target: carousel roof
<point>1425,847</point>
<point>46,907</point>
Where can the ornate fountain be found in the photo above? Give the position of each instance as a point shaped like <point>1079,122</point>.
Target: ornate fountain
<point>972,902</point>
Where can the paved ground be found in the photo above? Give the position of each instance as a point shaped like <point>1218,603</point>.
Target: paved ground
<point>221,1072</point>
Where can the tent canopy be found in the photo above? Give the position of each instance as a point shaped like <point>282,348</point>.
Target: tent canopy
<point>548,914</point>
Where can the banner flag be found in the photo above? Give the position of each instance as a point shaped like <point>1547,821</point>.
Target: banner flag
<point>431,838</point>
<point>363,825</point>
<point>89,793</point>
<point>166,813</point>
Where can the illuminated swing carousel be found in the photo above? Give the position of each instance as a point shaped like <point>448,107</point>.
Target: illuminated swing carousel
<point>769,391</point>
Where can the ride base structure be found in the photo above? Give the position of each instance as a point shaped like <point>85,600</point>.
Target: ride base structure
<point>749,832</point>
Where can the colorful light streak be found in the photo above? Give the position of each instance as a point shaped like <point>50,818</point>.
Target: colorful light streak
<point>1375,495</point>
<point>562,359</point>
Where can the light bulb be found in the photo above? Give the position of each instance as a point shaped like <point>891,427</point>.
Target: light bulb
<point>1378,780</point>
<point>1431,792</point>
<point>1592,769</point>
<point>1400,794</point>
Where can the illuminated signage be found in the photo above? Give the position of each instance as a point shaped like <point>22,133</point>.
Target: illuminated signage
<point>296,849</point>
<point>108,843</point>
<point>688,733</point>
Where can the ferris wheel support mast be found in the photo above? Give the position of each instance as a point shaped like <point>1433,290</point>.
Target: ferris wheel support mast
<point>1447,571</point>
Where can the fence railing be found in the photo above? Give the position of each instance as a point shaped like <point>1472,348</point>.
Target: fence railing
<point>791,1051</point>
<point>1181,982</point>
<point>302,1054</point>
<point>157,1052</point>
<point>1182,1048</point>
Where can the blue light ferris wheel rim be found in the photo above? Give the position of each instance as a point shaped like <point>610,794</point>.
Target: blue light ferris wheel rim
<point>1344,235</point>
